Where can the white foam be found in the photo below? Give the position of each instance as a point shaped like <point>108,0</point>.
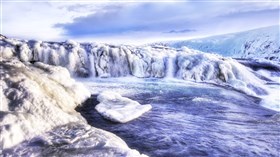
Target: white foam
<point>272,100</point>
<point>269,75</point>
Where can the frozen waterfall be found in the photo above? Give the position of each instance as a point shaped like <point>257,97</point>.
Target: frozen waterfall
<point>103,60</point>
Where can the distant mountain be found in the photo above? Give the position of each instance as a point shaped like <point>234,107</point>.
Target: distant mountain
<point>257,43</point>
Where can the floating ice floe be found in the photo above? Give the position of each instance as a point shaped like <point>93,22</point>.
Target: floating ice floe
<point>116,108</point>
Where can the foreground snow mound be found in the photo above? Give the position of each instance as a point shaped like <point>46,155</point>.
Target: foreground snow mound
<point>35,99</point>
<point>261,43</point>
<point>116,108</point>
<point>38,98</point>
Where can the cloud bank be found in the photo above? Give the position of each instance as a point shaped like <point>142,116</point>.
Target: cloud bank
<point>135,20</point>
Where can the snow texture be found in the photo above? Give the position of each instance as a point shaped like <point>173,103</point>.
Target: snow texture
<point>73,139</point>
<point>203,67</point>
<point>116,108</point>
<point>261,43</point>
<point>37,98</point>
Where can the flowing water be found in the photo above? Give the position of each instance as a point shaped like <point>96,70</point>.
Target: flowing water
<point>170,67</point>
<point>189,119</point>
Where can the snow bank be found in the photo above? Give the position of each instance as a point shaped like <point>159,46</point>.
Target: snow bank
<point>39,98</point>
<point>116,108</point>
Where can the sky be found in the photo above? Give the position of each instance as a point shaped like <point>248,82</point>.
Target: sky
<point>142,21</point>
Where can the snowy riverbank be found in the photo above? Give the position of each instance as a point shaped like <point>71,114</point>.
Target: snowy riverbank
<point>38,114</point>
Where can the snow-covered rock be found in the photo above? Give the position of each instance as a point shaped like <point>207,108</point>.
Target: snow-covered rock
<point>259,43</point>
<point>203,67</point>
<point>120,109</point>
<point>38,101</point>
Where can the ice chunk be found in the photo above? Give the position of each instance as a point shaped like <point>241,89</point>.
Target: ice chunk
<point>25,53</point>
<point>6,52</point>
<point>116,108</point>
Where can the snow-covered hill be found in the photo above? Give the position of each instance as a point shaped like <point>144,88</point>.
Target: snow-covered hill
<point>259,43</point>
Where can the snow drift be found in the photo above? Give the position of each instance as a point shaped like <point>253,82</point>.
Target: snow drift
<point>263,43</point>
<point>37,98</point>
<point>116,108</point>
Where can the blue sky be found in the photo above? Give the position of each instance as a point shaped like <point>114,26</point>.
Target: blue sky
<point>133,21</point>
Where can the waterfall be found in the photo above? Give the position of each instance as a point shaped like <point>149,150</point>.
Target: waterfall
<point>170,67</point>
<point>92,66</point>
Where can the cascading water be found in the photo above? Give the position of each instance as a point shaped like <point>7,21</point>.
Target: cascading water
<point>92,66</point>
<point>170,70</point>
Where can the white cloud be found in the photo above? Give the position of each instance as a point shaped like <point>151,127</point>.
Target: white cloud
<point>37,19</point>
<point>138,20</point>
